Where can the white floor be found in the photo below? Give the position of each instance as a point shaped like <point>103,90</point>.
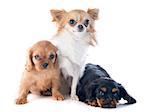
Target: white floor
<point>123,33</point>
<point>46,104</point>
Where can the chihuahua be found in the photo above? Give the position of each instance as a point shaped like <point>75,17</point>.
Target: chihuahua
<point>74,36</point>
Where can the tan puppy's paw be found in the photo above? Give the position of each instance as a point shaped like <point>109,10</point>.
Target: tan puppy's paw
<point>21,101</point>
<point>58,96</point>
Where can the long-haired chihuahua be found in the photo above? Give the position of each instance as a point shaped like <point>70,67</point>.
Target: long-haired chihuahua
<point>74,36</point>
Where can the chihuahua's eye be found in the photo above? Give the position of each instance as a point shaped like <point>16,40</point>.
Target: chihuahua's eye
<point>86,22</point>
<point>37,57</point>
<point>51,56</point>
<point>72,22</point>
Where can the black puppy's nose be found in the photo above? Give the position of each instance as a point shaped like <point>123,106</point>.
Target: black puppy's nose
<point>80,28</point>
<point>45,65</point>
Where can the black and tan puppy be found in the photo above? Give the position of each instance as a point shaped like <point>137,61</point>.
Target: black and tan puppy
<point>97,88</point>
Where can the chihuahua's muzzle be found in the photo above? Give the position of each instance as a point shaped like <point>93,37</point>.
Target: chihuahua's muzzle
<point>80,28</point>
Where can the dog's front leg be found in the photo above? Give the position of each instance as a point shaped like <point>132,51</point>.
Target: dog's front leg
<point>74,86</point>
<point>55,90</point>
<point>24,90</point>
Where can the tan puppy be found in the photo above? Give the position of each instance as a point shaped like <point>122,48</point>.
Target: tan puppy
<point>41,73</point>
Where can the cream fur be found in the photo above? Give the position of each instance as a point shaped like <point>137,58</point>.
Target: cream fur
<point>73,42</point>
<point>72,55</point>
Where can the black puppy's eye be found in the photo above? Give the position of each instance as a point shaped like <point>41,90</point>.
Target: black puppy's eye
<point>37,57</point>
<point>86,22</point>
<point>72,22</point>
<point>51,56</point>
<point>115,94</point>
<point>101,93</point>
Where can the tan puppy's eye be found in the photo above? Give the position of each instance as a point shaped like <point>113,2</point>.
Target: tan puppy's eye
<point>37,57</point>
<point>72,22</point>
<point>51,56</point>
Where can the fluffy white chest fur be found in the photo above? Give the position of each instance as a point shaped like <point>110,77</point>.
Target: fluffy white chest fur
<point>71,48</point>
<point>72,55</point>
<point>75,34</point>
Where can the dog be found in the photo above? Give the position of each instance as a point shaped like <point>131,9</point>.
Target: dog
<point>74,36</point>
<point>97,88</point>
<point>41,73</point>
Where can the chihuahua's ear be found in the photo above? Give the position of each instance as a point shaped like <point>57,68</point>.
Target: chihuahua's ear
<point>93,13</point>
<point>57,14</point>
<point>29,62</point>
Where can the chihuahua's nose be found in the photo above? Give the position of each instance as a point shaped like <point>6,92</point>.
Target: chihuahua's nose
<point>45,65</point>
<point>80,27</point>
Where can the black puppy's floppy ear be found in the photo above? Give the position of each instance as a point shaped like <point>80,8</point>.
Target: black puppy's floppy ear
<point>123,94</point>
<point>91,90</point>
<point>57,14</point>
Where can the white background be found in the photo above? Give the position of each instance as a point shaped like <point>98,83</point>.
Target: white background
<point>123,32</point>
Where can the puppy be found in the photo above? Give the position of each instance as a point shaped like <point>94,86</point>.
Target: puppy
<point>97,88</point>
<point>74,36</point>
<point>41,73</point>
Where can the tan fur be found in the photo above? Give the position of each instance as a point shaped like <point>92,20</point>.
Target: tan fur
<point>93,103</point>
<point>93,13</point>
<point>104,89</point>
<point>114,90</point>
<point>35,78</point>
<point>101,102</point>
<point>61,17</point>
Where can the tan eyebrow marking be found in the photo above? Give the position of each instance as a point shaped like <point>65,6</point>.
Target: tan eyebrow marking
<point>114,90</point>
<point>104,89</point>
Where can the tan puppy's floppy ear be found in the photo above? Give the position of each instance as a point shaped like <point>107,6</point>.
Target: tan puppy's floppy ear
<point>57,14</point>
<point>93,13</point>
<point>29,63</point>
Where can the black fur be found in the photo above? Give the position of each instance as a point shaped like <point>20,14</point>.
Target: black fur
<point>90,84</point>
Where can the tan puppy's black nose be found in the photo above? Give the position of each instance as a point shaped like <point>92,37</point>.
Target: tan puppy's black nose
<point>45,65</point>
<point>80,27</point>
